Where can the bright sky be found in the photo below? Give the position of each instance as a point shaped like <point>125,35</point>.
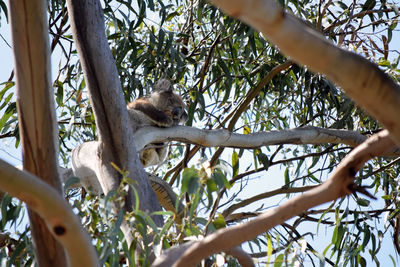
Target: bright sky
<point>7,149</point>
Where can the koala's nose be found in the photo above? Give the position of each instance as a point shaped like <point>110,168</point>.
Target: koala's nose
<point>177,111</point>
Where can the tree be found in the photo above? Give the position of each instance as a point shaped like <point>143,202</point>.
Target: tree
<point>233,79</point>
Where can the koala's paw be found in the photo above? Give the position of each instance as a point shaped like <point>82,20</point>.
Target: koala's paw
<point>150,157</point>
<point>169,121</point>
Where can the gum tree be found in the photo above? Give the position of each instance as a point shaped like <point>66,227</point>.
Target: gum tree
<point>256,116</point>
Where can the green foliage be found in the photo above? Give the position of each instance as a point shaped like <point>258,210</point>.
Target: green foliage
<point>16,246</point>
<point>3,9</point>
<point>219,66</point>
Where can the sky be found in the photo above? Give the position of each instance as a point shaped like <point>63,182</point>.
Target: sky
<point>7,148</point>
<point>9,153</point>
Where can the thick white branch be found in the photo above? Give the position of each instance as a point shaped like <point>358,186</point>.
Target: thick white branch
<point>169,257</point>
<point>85,160</point>
<point>36,113</point>
<point>224,138</point>
<point>55,211</point>
<point>84,157</point>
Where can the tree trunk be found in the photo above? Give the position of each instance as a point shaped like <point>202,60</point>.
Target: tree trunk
<point>36,113</point>
<point>116,141</point>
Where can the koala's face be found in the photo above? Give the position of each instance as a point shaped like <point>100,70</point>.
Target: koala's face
<point>179,115</point>
<point>165,99</point>
<point>172,104</point>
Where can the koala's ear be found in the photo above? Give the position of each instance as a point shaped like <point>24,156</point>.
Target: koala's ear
<point>163,85</point>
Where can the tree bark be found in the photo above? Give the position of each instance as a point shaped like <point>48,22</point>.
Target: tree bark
<point>116,142</point>
<point>338,185</point>
<point>84,160</point>
<point>36,113</point>
<point>361,79</point>
<point>225,138</point>
<point>55,211</point>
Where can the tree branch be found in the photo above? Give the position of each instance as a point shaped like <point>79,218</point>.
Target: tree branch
<point>258,197</point>
<point>60,220</point>
<point>253,93</point>
<point>169,257</point>
<point>340,184</point>
<point>36,114</point>
<point>116,142</point>
<point>362,80</point>
<point>242,257</point>
<point>84,163</point>
<point>224,138</point>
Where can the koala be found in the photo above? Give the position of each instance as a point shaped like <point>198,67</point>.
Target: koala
<point>162,108</point>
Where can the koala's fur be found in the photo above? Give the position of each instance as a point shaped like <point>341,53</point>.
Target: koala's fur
<point>162,108</point>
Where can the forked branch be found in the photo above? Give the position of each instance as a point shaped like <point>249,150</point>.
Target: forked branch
<point>338,185</point>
